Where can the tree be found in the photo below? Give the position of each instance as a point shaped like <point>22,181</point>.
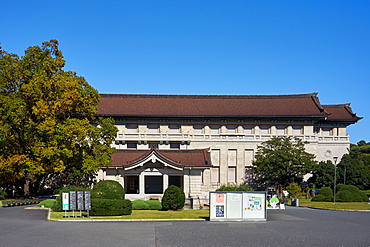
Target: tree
<point>322,175</point>
<point>48,127</point>
<point>281,161</point>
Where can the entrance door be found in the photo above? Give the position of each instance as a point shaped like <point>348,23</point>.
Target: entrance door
<point>153,184</point>
<point>132,185</point>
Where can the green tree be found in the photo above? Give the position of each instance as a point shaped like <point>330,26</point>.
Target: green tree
<point>322,175</point>
<point>48,127</point>
<point>281,161</point>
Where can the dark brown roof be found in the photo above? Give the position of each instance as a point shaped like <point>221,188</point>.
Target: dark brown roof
<point>341,112</point>
<point>182,158</point>
<point>134,105</point>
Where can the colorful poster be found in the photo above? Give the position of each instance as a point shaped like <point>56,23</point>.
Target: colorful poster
<point>220,197</point>
<point>220,211</point>
<point>254,206</point>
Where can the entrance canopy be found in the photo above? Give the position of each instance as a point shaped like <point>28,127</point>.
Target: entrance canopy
<point>176,159</point>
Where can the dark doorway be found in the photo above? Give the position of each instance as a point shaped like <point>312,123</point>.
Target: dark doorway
<point>132,185</point>
<point>153,184</point>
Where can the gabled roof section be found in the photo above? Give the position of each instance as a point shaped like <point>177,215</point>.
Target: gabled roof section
<point>341,112</point>
<point>176,159</point>
<point>136,105</point>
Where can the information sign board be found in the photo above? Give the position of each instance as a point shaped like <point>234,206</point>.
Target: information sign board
<point>72,200</point>
<point>87,200</point>
<point>80,200</point>
<point>65,201</point>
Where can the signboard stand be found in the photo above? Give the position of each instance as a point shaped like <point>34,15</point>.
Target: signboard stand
<point>65,204</point>
<point>73,201</point>
<point>238,206</point>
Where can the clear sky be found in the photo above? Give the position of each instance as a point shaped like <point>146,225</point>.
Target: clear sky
<point>207,47</point>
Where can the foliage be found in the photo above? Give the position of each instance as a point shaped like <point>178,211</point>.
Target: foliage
<point>108,189</point>
<point>154,204</point>
<point>3,194</point>
<point>234,188</point>
<point>108,207</point>
<point>319,198</point>
<point>139,205</point>
<point>322,175</point>
<point>326,191</point>
<point>348,196</point>
<point>294,190</point>
<point>173,198</point>
<point>57,207</point>
<point>48,129</point>
<point>48,203</point>
<point>355,196</point>
<point>282,160</point>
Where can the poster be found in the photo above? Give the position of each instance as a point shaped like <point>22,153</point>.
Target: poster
<point>220,211</point>
<point>65,201</point>
<point>220,198</point>
<point>254,206</point>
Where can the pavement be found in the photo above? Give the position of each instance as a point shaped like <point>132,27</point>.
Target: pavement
<point>294,226</point>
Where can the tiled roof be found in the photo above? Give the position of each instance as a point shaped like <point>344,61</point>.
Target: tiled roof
<point>341,112</point>
<point>134,105</point>
<point>184,158</point>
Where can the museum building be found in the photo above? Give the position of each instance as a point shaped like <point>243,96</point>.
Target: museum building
<point>199,142</point>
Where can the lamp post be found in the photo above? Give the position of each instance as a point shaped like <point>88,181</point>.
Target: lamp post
<point>335,175</point>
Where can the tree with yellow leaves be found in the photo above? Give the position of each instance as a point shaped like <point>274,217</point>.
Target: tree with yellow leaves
<point>48,130</point>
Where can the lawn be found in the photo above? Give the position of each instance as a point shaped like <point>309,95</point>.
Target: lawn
<point>143,214</point>
<point>337,205</point>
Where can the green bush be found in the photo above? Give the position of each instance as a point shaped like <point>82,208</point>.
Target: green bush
<point>109,207</point>
<point>356,194</point>
<point>329,199</point>
<point>347,196</point>
<point>48,203</point>
<point>57,207</point>
<point>108,189</point>
<point>234,188</point>
<point>339,186</point>
<point>139,205</point>
<point>318,198</point>
<point>154,205</point>
<point>3,194</point>
<point>326,191</point>
<point>173,198</point>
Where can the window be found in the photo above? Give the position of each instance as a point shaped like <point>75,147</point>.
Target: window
<point>132,145</point>
<point>214,129</point>
<point>174,128</point>
<point>280,130</point>
<point>264,129</point>
<point>153,128</point>
<point>198,129</point>
<point>231,128</point>
<point>248,129</point>
<point>175,145</point>
<point>131,128</point>
<point>297,130</point>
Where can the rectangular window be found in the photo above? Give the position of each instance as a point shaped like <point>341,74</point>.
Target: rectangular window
<point>175,145</point>
<point>264,129</point>
<point>214,175</point>
<point>174,128</point>
<point>131,145</point>
<point>231,128</point>
<point>198,129</point>
<point>280,130</point>
<point>175,180</point>
<point>131,128</point>
<point>297,130</point>
<point>214,129</point>
<point>248,129</point>
<point>153,145</point>
<point>153,128</point>
<point>215,157</point>
<point>231,175</point>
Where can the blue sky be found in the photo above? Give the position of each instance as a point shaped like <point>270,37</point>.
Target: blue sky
<point>207,47</point>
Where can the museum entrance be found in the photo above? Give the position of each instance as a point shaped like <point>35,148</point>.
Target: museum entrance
<point>153,184</point>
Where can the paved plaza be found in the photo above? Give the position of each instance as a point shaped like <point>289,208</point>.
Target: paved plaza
<point>294,226</point>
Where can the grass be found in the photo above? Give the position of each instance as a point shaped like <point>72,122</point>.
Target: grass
<point>337,205</point>
<point>143,214</point>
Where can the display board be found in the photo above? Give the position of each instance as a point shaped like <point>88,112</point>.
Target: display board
<point>233,205</point>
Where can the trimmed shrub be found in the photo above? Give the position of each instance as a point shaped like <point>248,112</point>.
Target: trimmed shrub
<point>57,207</point>
<point>109,207</point>
<point>350,188</point>
<point>234,188</point>
<point>363,196</point>
<point>318,198</point>
<point>326,191</point>
<point>329,199</point>
<point>48,203</point>
<point>173,198</point>
<point>347,196</point>
<point>108,189</point>
<point>339,186</point>
<point>3,194</point>
<point>140,205</point>
<point>154,205</point>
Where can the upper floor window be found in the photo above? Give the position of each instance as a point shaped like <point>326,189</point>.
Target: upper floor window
<point>153,144</point>
<point>131,145</point>
<point>248,129</point>
<point>198,129</point>
<point>231,128</point>
<point>214,129</point>
<point>264,129</point>
<point>297,130</point>
<point>153,128</point>
<point>175,145</point>
<point>174,128</point>
<point>131,128</point>
<point>280,130</point>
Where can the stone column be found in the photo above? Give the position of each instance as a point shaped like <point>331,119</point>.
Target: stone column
<point>141,183</point>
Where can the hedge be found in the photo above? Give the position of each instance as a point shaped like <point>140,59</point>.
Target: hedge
<point>108,189</point>
<point>109,207</point>
<point>139,205</point>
